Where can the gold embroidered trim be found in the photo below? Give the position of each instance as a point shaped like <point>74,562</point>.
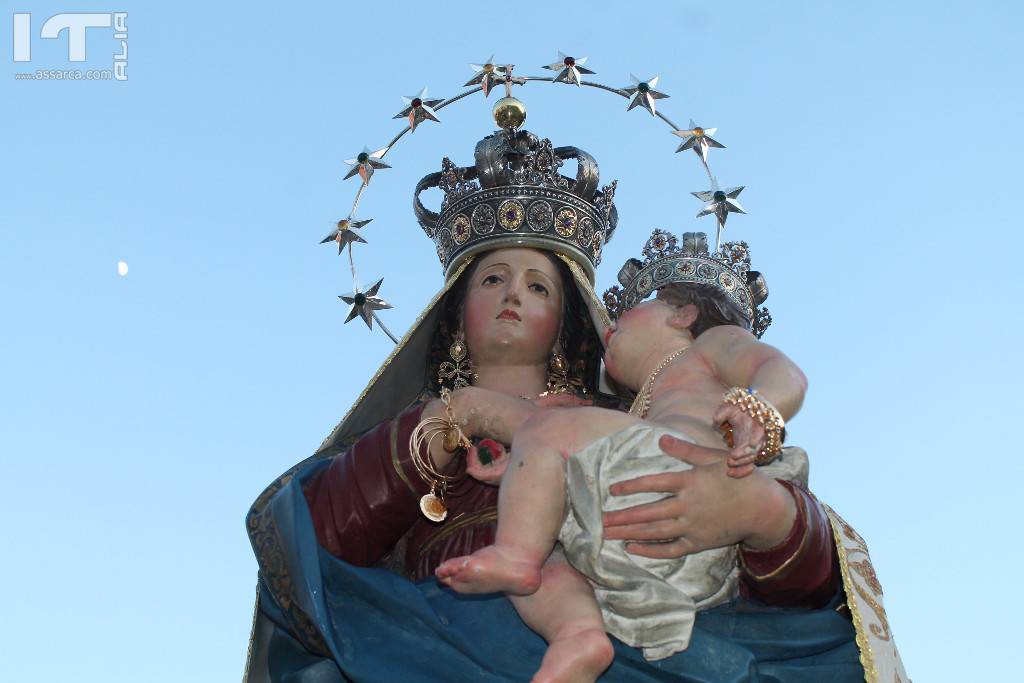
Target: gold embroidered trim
<point>587,289</point>
<point>398,349</point>
<point>394,456</point>
<point>867,657</point>
<point>252,635</point>
<point>796,553</point>
<point>267,545</point>
<point>479,517</point>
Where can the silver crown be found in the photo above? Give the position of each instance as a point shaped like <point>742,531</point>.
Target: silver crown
<point>515,196</point>
<point>665,263</point>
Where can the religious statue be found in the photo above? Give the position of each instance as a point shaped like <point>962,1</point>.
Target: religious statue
<point>348,541</point>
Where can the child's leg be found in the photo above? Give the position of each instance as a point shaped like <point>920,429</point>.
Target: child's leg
<point>531,509</point>
<point>564,612</point>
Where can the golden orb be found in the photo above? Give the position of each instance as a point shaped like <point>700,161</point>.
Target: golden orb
<point>509,112</point>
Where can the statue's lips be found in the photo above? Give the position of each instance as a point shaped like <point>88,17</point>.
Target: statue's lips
<point>509,314</point>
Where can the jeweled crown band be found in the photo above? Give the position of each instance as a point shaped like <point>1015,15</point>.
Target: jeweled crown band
<point>526,213</point>
<point>514,196</point>
<point>679,269</point>
<point>727,271</point>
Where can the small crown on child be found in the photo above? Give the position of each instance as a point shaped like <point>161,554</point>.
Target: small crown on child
<point>665,263</point>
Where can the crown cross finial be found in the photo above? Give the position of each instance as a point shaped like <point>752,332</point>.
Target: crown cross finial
<point>509,79</point>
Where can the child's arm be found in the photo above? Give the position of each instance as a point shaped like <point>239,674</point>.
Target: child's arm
<point>493,418</point>
<point>740,360</point>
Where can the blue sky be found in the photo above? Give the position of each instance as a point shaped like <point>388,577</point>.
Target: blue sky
<point>140,415</point>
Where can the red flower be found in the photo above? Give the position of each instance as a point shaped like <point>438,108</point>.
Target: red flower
<point>489,450</point>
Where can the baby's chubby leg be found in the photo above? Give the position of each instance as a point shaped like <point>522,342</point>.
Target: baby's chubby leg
<point>565,613</point>
<point>531,506</point>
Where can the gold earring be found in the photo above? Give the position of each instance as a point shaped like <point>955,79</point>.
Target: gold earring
<point>558,373</point>
<point>458,372</point>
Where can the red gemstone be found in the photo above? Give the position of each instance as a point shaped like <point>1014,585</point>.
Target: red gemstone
<point>416,103</point>
<point>569,61</point>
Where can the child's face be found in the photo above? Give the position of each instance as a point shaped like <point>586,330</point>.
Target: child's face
<point>629,341</point>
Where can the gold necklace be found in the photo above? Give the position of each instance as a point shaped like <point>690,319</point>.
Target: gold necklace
<point>642,402</point>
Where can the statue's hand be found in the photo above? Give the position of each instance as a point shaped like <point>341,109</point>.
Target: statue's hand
<point>705,509</point>
<point>748,438</point>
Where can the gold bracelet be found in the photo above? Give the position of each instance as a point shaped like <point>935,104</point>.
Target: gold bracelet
<point>432,504</point>
<point>754,405</point>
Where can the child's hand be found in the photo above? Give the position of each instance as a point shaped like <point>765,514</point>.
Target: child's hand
<point>747,438</point>
<point>486,461</point>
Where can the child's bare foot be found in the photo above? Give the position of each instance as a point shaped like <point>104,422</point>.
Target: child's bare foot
<point>490,570</point>
<point>577,658</point>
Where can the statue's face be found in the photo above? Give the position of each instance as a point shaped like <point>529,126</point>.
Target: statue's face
<point>513,307</point>
<point>629,341</point>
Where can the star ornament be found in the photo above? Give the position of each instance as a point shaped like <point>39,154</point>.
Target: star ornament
<point>569,69</point>
<point>487,76</point>
<point>346,231</point>
<point>699,140</point>
<point>364,303</point>
<point>720,202</point>
<point>419,110</point>
<point>643,93</point>
<point>365,163</point>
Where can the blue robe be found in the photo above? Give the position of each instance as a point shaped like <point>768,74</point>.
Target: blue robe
<point>322,620</point>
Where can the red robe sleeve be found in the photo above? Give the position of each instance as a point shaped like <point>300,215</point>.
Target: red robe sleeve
<point>368,497</point>
<point>803,570</point>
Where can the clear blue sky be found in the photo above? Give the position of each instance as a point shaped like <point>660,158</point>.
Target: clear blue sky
<point>140,415</point>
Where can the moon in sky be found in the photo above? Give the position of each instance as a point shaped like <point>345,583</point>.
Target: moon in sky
<point>122,268</point>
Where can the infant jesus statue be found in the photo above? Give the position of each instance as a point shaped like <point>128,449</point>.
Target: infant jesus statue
<point>698,371</point>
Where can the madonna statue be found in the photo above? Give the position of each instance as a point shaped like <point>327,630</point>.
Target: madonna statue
<point>347,540</point>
